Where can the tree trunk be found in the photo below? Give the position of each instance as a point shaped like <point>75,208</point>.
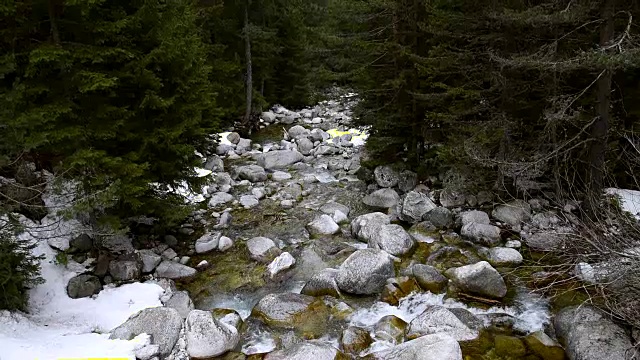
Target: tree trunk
<point>600,128</point>
<point>53,21</point>
<point>247,54</point>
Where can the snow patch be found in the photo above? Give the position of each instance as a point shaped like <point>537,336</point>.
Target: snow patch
<point>629,200</point>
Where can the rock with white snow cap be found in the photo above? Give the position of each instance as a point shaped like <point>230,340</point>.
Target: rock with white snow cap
<point>208,242</point>
<point>365,272</point>
<point>480,279</point>
<point>207,337</point>
<point>323,225</point>
<point>163,324</point>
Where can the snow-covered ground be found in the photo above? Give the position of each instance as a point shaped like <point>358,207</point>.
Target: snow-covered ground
<point>629,200</point>
<point>57,326</point>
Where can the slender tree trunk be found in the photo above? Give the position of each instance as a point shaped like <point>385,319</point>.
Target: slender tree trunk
<point>53,21</point>
<point>247,53</point>
<point>600,128</point>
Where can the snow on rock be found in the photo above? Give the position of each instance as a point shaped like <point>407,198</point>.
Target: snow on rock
<point>629,200</point>
<point>162,323</point>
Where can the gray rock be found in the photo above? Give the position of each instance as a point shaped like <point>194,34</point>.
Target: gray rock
<point>588,334</point>
<point>440,217</point>
<point>319,135</point>
<point>545,241</point>
<point>169,254</point>
<point>173,270</point>
<point>450,198</point>
<point>474,216</point>
<point>354,340</point>
<point>82,242</point>
<point>249,201</point>
<point>207,337</point>
<point>366,226</point>
<point>279,159</point>
<point>513,213</point>
<point>386,176</point>
<point>297,131</point>
<point>180,301</point>
<point>429,278</point>
<point>480,278</point>
<point>308,350</point>
<point>268,116</point>
<point>428,347</point>
<point>407,181</point>
<point>322,283</point>
<point>424,232</point>
<point>438,319</point>
<point>503,256</point>
<point>323,225</point>
<point>305,146</point>
<point>415,206</point>
<point>225,243</point>
<point>224,149</point>
<point>148,352</point>
<point>383,198</point>
<point>331,207</point>
<point>83,286</point>
<point>184,260</point>
<point>253,173</point>
<point>281,263</point>
<point>484,197</point>
<point>392,239</point>
<point>170,240</point>
<point>365,272</point>
<point>481,233</point>
<point>282,309</point>
<point>262,249</point>
<point>214,163</point>
<point>118,244</point>
<point>243,146</point>
<point>234,138</point>
<point>207,242</point>
<point>163,324</point>
<point>124,270</point>
<point>219,198</point>
<point>149,260</point>
<point>391,329</point>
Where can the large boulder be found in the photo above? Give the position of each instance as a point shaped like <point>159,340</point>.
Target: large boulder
<point>279,159</point>
<point>480,279</point>
<point>173,270</point>
<point>438,319</point>
<point>428,277</point>
<point>322,283</point>
<point>588,334</point>
<point>366,226</point>
<point>308,350</point>
<point>125,270</point>
<point>392,239</point>
<point>415,205</point>
<point>149,260</point>
<point>323,225</point>
<point>284,310</point>
<point>440,217</point>
<point>163,324</point>
<point>83,286</point>
<point>386,176</point>
<point>474,216</point>
<point>180,301</point>
<point>208,242</point>
<point>513,213</point>
<point>262,249</point>
<point>207,337</point>
<point>383,198</point>
<point>428,347</point>
<point>253,173</point>
<point>365,272</point>
<point>481,233</point>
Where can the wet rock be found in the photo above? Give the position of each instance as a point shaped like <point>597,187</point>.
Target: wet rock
<point>366,226</point>
<point>219,198</point>
<point>480,278</point>
<point>180,301</point>
<point>407,181</point>
<point>253,173</point>
<point>214,163</point>
<point>163,324</point>
<point>383,198</point>
<point>513,213</point>
<point>399,288</point>
<point>308,350</point>
<point>225,244</point>
<point>365,272</point>
<point>589,335</point>
<point>322,283</point>
<point>284,309</point>
<point>438,319</point>
<point>82,243</point>
<point>545,347</point>
<point>83,286</point>
<point>124,270</point>
<point>449,256</point>
<point>281,263</point>
<point>208,242</point>
<point>502,256</point>
<point>424,232</point>
<point>249,201</point>
<point>440,217</point>
<point>262,249</point>
<point>323,225</point>
<point>392,239</point>
<point>429,278</point>
<point>173,270</point>
<point>149,260</point>
<point>474,216</point>
<point>483,234</point>
<point>429,347</point>
<point>415,206</point>
<point>207,337</point>
<point>450,198</point>
<point>279,159</point>
<point>510,346</point>
<point>391,329</point>
<point>386,176</point>
<point>331,207</point>
<point>355,340</point>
